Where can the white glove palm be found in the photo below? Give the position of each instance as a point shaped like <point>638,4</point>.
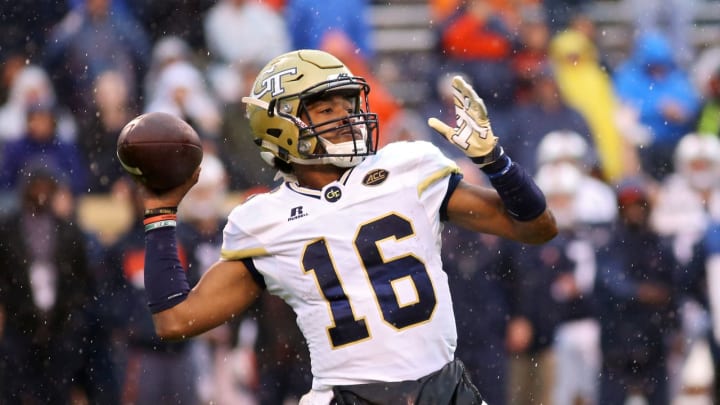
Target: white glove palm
<point>473,133</point>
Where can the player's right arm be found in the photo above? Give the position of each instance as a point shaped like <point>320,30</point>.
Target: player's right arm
<point>226,290</point>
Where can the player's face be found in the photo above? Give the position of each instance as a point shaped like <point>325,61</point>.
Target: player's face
<point>335,110</point>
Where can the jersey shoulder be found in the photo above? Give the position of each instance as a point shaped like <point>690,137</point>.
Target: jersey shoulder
<point>421,156</point>
<point>248,220</point>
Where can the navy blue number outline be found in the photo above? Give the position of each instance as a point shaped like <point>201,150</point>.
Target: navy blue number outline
<point>381,272</point>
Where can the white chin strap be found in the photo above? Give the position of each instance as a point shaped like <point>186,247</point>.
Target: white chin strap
<point>343,148</point>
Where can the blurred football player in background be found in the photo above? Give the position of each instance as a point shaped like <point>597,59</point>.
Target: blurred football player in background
<point>636,304</point>
<point>351,240</point>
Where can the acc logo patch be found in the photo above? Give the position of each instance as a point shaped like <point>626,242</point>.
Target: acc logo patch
<point>375,177</point>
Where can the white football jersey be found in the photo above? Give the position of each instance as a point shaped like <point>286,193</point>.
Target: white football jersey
<point>359,262</point>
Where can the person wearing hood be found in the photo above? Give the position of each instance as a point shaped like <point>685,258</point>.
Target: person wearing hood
<point>651,83</point>
<point>585,85</point>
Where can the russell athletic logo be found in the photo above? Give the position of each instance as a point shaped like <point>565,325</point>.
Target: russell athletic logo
<point>297,213</point>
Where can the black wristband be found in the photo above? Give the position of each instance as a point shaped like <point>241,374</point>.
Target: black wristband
<point>498,168</point>
<point>160,211</point>
<point>522,198</point>
<point>487,160</point>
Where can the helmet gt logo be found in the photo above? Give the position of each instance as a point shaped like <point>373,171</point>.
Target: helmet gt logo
<point>273,84</point>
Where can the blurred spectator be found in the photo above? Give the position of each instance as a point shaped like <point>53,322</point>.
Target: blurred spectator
<point>172,18</point>
<point>674,18</point>
<point>100,376</point>
<point>202,216</point>
<point>182,91</point>
<point>23,29</point>
<point>41,147</point>
<point>481,305</point>
<point>534,317</point>
<point>578,73</point>
<point>228,25</point>
<point>561,13</point>
<point>408,125</point>
<point>90,40</point>
<point>99,135</point>
<point>636,304</point>
<point>476,41</point>
<point>309,22</point>
<point>576,342</point>
<point>544,112</point>
<point>651,83</point>
<point>46,287</point>
<point>585,208</point>
<point>440,10</point>
<point>155,371</point>
<point>29,86</point>
<point>703,67</point>
<point>594,201</point>
<point>584,22</point>
<point>531,56</point>
<point>539,303</point>
<point>709,121</point>
<point>282,355</point>
<point>383,102</point>
<point>236,148</point>
<point>689,197</point>
<point>165,51</point>
<point>687,201</point>
<point>711,246</point>
<point>12,64</point>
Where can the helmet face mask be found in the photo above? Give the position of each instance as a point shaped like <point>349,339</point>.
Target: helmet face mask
<point>281,94</point>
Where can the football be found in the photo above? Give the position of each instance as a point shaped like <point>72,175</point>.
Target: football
<point>160,150</point>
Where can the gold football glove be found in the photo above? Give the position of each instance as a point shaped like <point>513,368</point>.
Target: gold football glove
<point>473,133</point>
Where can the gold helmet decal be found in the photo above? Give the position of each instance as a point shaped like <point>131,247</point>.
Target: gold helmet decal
<point>278,96</point>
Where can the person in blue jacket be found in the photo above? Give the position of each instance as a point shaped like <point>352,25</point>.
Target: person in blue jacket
<point>653,84</point>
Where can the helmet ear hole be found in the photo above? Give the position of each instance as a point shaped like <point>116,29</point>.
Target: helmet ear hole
<point>304,146</point>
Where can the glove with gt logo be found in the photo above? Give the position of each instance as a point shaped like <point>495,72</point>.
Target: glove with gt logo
<point>473,134</point>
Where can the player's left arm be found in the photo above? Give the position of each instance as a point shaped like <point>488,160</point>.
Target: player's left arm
<point>516,208</point>
<point>482,210</point>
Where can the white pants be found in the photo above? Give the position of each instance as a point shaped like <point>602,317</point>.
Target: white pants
<point>577,351</point>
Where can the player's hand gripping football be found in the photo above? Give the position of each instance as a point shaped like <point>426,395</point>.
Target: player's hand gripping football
<point>169,198</point>
<point>472,133</point>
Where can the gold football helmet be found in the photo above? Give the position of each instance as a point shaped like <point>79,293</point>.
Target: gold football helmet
<point>279,94</point>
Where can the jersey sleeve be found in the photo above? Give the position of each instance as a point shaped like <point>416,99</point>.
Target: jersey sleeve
<point>435,176</point>
<point>425,160</point>
<point>239,245</point>
<point>238,241</point>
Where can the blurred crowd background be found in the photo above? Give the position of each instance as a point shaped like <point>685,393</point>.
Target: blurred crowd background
<point>613,105</point>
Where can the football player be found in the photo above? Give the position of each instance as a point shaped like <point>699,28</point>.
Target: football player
<point>351,239</point>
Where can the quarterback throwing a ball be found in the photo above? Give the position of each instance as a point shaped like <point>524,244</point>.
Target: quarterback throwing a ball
<point>351,239</point>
